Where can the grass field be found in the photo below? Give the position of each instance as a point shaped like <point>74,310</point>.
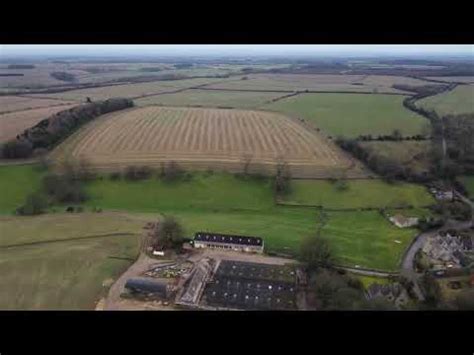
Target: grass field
<point>468,183</point>
<point>351,115</point>
<point>208,98</point>
<point>366,239</point>
<point>63,274</point>
<point>454,102</point>
<point>16,182</point>
<point>199,138</point>
<point>412,154</point>
<point>14,123</point>
<point>359,194</point>
<point>214,202</point>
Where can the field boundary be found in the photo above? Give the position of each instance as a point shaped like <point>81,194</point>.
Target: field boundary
<point>297,92</point>
<point>50,241</point>
<point>350,209</point>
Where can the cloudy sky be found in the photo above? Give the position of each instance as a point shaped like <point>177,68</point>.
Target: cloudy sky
<point>243,50</point>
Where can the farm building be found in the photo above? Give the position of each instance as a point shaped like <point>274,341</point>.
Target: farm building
<point>403,222</point>
<point>147,287</point>
<point>251,286</point>
<point>228,242</point>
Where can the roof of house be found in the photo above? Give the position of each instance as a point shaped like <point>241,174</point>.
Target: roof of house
<point>228,239</point>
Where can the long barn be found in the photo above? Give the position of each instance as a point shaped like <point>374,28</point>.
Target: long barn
<point>228,242</point>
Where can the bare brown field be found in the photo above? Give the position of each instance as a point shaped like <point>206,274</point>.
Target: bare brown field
<point>18,103</point>
<point>200,139</point>
<point>128,90</point>
<point>320,82</point>
<point>14,123</point>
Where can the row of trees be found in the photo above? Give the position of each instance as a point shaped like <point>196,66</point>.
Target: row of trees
<point>396,136</point>
<point>50,131</point>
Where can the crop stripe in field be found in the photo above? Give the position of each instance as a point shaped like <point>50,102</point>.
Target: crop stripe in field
<point>164,118</point>
<point>185,132</point>
<point>255,134</point>
<point>181,129</point>
<point>89,133</point>
<point>144,142</point>
<point>135,134</point>
<point>142,139</point>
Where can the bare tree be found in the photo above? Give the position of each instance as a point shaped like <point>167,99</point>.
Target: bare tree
<point>246,160</point>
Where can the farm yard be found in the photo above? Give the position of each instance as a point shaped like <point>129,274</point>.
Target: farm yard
<point>210,98</point>
<point>357,194</point>
<point>63,271</point>
<point>14,123</point>
<point>454,102</point>
<point>351,115</point>
<point>205,138</point>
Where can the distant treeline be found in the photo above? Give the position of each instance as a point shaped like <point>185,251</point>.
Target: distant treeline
<point>11,74</point>
<point>60,75</point>
<point>21,66</point>
<point>52,130</point>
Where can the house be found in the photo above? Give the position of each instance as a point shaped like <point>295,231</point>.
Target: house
<point>393,292</point>
<point>448,250</point>
<point>442,195</point>
<point>403,222</point>
<point>228,242</point>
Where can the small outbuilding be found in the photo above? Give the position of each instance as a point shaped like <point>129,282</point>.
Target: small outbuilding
<point>147,287</point>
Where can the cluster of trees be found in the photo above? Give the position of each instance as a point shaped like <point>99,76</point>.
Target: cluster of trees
<point>394,137</point>
<point>452,210</point>
<point>63,76</point>
<point>57,127</point>
<point>168,234</point>
<point>282,183</point>
<point>169,171</point>
<point>389,169</point>
<point>330,289</point>
<point>67,187</point>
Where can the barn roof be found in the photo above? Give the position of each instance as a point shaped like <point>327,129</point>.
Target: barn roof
<point>228,238</point>
<point>143,285</point>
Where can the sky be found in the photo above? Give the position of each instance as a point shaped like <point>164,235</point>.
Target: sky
<point>234,50</point>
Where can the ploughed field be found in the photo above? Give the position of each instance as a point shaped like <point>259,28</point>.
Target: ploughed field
<point>205,138</point>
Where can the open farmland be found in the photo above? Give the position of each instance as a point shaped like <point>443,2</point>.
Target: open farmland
<point>61,270</point>
<point>14,123</point>
<point>357,194</point>
<point>210,98</point>
<point>128,90</point>
<point>18,103</point>
<point>320,82</point>
<point>454,102</point>
<point>205,138</point>
<point>351,115</point>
